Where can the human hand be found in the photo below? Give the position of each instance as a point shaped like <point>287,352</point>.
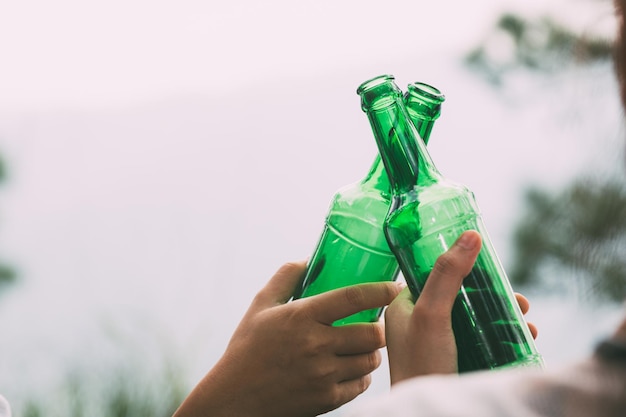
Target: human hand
<point>286,358</point>
<point>423,329</point>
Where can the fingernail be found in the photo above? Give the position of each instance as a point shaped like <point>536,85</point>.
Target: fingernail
<point>468,241</point>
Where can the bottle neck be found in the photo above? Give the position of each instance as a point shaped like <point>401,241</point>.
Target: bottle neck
<point>377,176</point>
<point>423,103</point>
<point>422,126</point>
<point>423,114</point>
<point>402,150</point>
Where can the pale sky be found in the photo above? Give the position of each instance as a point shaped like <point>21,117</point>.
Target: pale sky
<point>77,53</point>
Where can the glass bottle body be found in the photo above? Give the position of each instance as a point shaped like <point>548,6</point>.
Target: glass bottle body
<point>427,214</point>
<point>353,247</point>
<point>488,325</point>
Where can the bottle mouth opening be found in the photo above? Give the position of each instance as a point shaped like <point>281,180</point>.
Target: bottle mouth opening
<point>426,91</point>
<point>373,82</point>
<point>378,93</point>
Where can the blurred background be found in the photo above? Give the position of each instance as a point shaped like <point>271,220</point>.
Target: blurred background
<point>160,160</point>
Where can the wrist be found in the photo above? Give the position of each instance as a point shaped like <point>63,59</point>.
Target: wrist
<point>214,396</point>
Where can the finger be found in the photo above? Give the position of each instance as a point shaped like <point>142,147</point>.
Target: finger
<point>358,338</point>
<point>356,366</point>
<point>450,269</point>
<point>524,305</point>
<point>523,302</point>
<point>349,390</point>
<point>281,286</point>
<point>343,302</point>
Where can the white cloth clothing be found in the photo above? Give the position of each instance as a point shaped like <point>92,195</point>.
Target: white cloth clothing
<point>592,388</point>
<point>5,409</point>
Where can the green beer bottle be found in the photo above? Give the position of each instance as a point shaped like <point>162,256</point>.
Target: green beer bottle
<point>352,248</point>
<point>427,214</point>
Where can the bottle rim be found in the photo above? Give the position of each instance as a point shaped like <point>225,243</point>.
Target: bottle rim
<point>426,91</point>
<point>373,82</point>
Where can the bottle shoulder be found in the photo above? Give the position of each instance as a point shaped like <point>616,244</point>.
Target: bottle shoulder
<point>357,215</point>
<point>361,195</point>
<point>434,193</point>
<point>437,205</point>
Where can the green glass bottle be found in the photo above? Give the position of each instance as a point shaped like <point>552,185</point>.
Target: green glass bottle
<point>427,214</point>
<point>353,248</point>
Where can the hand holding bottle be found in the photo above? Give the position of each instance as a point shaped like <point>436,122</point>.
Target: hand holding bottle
<point>286,358</point>
<point>420,340</point>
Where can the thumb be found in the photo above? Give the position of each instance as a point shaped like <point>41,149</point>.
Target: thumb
<point>281,286</point>
<point>447,275</point>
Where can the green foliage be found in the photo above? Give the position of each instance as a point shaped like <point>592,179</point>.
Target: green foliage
<point>581,230</point>
<point>33,410</point>
<point>123,392</point>
<point>7,275</point>
<point>577,236</point>
<point>542,45</point>
<point>3,171</point>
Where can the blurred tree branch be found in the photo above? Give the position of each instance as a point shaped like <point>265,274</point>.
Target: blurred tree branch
<point>579,234</point>
<point>540,45</point>
<point>581,230</point>
<point>7,274</point>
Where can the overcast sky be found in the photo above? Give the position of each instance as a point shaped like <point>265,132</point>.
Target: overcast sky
<point>77,53</point>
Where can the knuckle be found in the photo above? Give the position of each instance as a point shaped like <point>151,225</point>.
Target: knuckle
<point>377,335</point>
<point>430,315</point>
<point>364,382</point>
<point>313,346</point>
<point>373,360</point>
<point>329,396</point>
<point>290,268</point>
<point>391,291</point>
<point>323,374</point>
<point>354,296</point>
<point>335,398</point>
<point>444,264</point>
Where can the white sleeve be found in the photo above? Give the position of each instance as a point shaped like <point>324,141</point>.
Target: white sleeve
<point>589,389</point>
<point>5,409</point>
